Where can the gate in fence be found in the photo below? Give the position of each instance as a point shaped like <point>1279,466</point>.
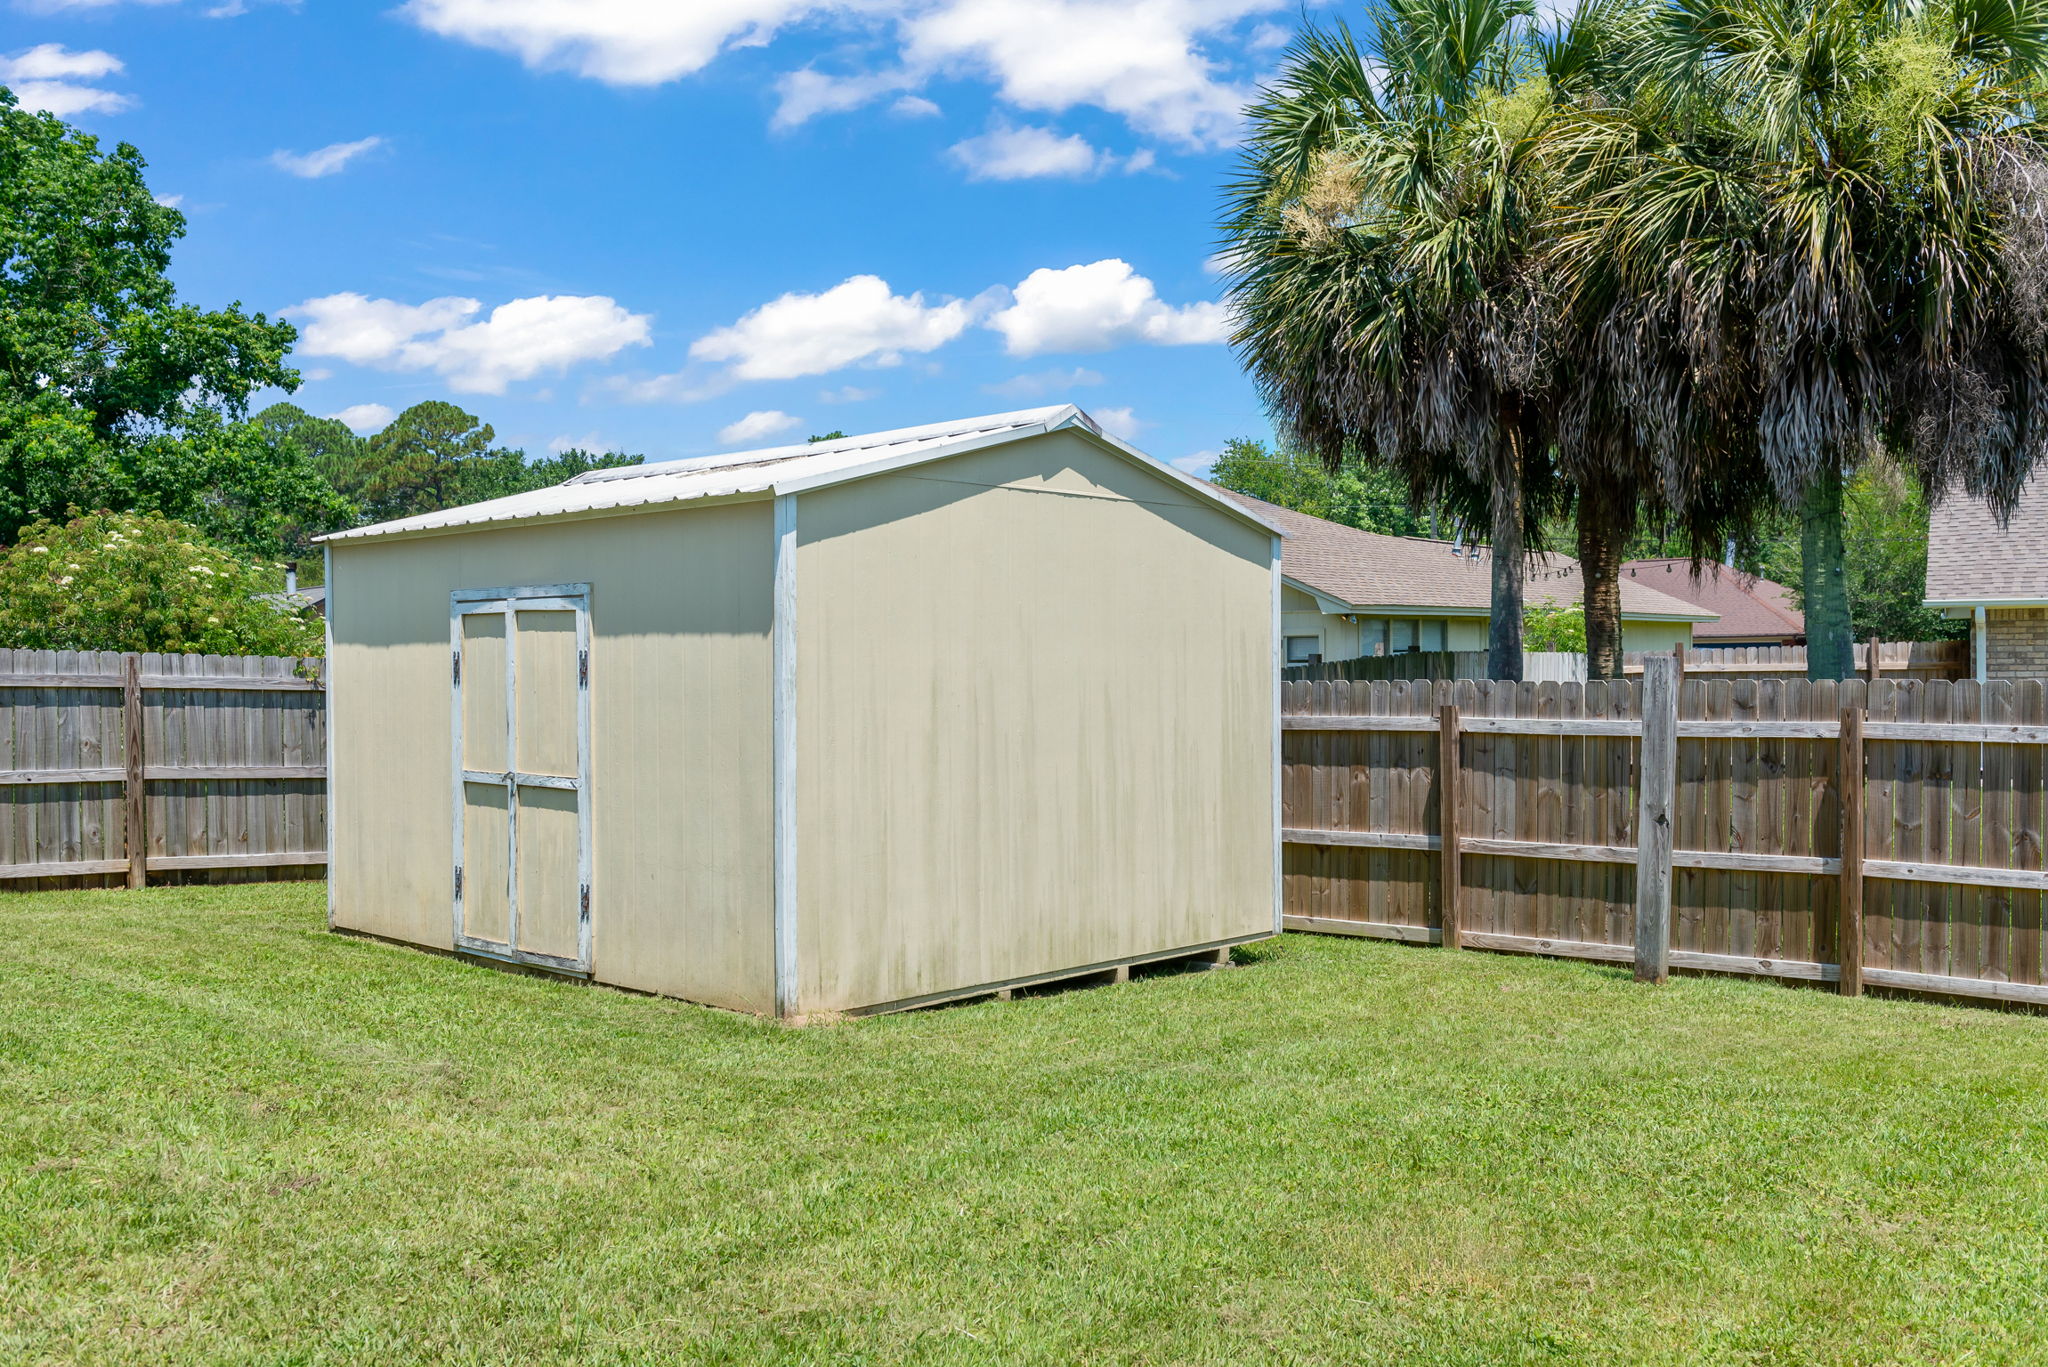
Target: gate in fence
<point>114,767</point>
<point>1887,833</point>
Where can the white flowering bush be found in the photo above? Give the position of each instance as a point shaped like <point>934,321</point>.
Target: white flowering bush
<point>139,581</point>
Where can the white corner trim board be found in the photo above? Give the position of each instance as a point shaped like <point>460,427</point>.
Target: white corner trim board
<point>783,652</point>
<point>1279,762</point>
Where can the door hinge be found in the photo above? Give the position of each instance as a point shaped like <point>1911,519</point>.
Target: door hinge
<point>583,669</point>
<point>458,882</point>
<point>457,657</point>
<point>586,899</point>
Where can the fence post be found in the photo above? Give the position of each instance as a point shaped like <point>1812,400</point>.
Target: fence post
<point>1849,786</point>
<point>136,834</point>
<point>1872,670</point>
<point>1658,778</point>
<point>1448,767</point>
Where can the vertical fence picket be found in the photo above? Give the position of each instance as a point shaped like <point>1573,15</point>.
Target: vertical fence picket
<point>1658,769</point>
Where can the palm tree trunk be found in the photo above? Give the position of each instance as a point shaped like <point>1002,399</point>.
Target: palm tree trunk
<point>1830,643</point>
<point>1510,564</point>
<point>1603,531</point>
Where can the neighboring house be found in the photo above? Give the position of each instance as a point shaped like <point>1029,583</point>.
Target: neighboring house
<point>1997,577</point>
<point>1754,612</point>
<point>1348,593</point>
<point>310,601</point>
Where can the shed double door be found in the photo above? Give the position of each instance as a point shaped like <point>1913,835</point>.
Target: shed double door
<point>521,718</point>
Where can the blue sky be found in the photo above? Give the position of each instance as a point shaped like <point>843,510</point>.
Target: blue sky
<point>683,226</point>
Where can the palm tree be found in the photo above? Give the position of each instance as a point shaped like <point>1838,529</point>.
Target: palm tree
<point>1639,435</point>
<point>1393,238</point>
<point>1380,244</point>
<point>1818,228</point>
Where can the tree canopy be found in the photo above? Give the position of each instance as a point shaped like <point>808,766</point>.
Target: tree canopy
<point>1355,493</point>
<point>112,392</point>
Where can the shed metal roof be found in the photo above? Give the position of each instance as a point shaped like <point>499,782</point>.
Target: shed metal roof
<point>781,470</point>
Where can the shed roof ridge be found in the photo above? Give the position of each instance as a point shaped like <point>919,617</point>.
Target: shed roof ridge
<point>866,441</point>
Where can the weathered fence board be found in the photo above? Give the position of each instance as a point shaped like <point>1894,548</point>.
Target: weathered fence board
<point>115,767</point>
<point>1946,784</point>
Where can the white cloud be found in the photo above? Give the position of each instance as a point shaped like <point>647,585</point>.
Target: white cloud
<point>689,385</point>
<point>1119,422</point>
<point>848,393</point>
<point>1198,464</point>
<point>622,42</point>
<point>1142,60</point>
<point>1040,383</point>
<point>315,374</point>
<point>590,441</point>
<point>758,425</point>
<point>517,341</point>
<point>365,331</point>
<point>915,107</point>
<point>857,320</point>
<point>170,201</point>
<point>324,161</point>
<point>528,336</point>
<point>364,417</point>
<point>1160,64</point>
<point>52,78</point>
<point>1098,306</point>
<point>808,93</point>
<point>1008,152</point>
<point>55,62</point>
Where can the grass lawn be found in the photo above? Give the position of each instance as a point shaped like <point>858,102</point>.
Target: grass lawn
<point>227,1136</point>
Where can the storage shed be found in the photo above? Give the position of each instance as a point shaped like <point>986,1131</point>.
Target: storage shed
<point>842,727</point>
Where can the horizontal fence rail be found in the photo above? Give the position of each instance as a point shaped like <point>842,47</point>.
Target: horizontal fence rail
<point>1861,833</point>
<point>1894,660</point>
<point>116,767</point>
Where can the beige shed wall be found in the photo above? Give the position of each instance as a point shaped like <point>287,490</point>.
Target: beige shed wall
<point>680,605</point>
<point>1035,699</point>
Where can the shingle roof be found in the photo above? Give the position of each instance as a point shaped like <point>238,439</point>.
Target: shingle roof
<point>1971,559</point>
<point>1749,607</point>
<point>1368,570</point>
<point>774,469</point>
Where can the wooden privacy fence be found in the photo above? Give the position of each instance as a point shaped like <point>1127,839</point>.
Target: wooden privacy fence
<point>120,766</point>
<point>1874,660</point>
<point>1886,833</point>
<point>1894,660</point>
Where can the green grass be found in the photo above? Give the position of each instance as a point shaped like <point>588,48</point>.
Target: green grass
<point>227,1136</point>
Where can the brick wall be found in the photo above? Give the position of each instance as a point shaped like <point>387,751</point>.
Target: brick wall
<point>2017,643</point>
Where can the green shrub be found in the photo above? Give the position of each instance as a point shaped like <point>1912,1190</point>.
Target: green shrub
<point>133,581</point>
<point>1549,626</point>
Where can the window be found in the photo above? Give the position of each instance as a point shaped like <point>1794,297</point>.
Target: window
<point>1372,636</point>
<point>1304,650</point>
<point>1433,635</point>
<point>1403,638</point>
